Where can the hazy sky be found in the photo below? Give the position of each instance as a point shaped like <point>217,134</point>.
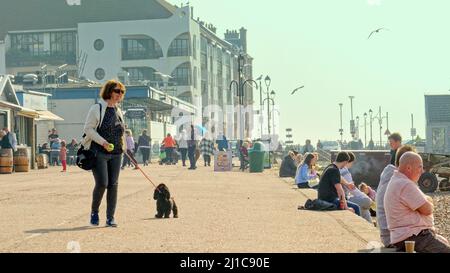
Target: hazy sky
<point>323,44</point>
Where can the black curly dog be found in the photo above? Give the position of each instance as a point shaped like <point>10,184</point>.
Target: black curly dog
<point>164,203</point>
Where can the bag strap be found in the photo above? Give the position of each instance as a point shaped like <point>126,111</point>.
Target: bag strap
<point>99,123</point>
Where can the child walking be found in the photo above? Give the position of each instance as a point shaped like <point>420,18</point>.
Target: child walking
<point>63,155</point>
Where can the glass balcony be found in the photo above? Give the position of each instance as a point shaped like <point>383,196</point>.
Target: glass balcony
<point>17,58</point>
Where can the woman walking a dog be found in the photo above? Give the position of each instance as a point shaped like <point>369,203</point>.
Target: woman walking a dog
<point>104,129</point>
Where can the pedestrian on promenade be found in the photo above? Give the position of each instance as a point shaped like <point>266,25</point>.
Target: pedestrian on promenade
<point>395,141</point>
<point>409,212</point>
<point>9,140</point>
<point>182,141</point>
<point>192,147</point>
<point>104,129</point>
<point>207,150</point>
<point>63,156</point>
<point>169,146</point>
<point>72,150</point>
<point>54,153</point>
<point>308,148</point>
<point>130,159</point>
<point>144,146</point>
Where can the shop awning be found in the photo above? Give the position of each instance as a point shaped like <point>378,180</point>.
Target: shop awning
<point>47,115</point>
<point>29,113</point>
<point>10,105</point>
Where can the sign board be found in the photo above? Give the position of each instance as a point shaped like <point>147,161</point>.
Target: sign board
<point>223,161</point>
<point>135,114</point>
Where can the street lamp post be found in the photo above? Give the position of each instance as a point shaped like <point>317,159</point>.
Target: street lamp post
<point>240,84</point>
<point>365,130</point>
<point>270,98</point>
<point>352,121</point>
<point>341,130</point>
<point>260,105</point>
<point>371,120</point>
<point>357,128</point>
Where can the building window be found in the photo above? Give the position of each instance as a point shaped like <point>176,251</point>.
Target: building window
<point>181,76</point>
<point>99,44</point>
<point>138,49</point>
<point>180,46</point>
<point>63,43</point>
<point>99,74</point>
<point>137,74</point>
<point>30,43</point>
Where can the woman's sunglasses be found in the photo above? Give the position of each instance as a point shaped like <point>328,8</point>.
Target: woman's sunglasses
<point>118,91</point>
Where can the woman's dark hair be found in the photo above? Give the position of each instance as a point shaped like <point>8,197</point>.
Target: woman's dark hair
<point>308,158</point>
<point>352,157</point>
<point>342,157</point>
<point>108,89</point>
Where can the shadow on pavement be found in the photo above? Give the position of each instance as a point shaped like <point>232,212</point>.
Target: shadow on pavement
<point>50,230</point>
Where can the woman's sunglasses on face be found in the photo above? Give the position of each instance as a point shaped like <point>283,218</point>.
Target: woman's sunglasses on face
<point>118,91</point>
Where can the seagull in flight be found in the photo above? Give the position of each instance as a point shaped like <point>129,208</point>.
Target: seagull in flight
<point>296,89</point>
<point>376,31</point>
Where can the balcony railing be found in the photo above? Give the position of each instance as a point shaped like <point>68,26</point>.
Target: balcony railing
<point>130,55</point>
<point>17,58</point>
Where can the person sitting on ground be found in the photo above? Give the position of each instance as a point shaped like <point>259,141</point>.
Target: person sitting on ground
<point>352,193</point>
<point>385,178</point>
<point>409,212</point>
<point>330,188</point>
<point>288,167</point>
<point>306,172</point>
<point>298,159</point>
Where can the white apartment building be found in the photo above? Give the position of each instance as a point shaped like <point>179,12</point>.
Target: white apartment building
<point>141,42</point>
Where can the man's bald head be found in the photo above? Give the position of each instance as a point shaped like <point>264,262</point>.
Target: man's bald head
<point>411,165</point>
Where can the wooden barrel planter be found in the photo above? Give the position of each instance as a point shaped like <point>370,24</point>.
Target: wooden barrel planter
<point>21,160</point>
<point>6,161</point>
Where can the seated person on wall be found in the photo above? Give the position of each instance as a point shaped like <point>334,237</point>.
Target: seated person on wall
<point>288,167</point>
<point>409,212</point>
<point>306,172</point>
<point>352,193</point>
<point>330,188</point>
<point>385,179</point>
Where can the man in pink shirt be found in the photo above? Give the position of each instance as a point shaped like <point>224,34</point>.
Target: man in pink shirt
<point>409,212</point>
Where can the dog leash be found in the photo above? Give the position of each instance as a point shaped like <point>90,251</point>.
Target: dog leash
<point>139,168</point>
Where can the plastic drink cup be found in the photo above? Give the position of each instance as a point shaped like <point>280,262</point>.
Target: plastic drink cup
<point>409,246</point>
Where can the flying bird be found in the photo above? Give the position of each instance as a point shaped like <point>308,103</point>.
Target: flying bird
<point>296,89</point>
<point>376,31</point>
